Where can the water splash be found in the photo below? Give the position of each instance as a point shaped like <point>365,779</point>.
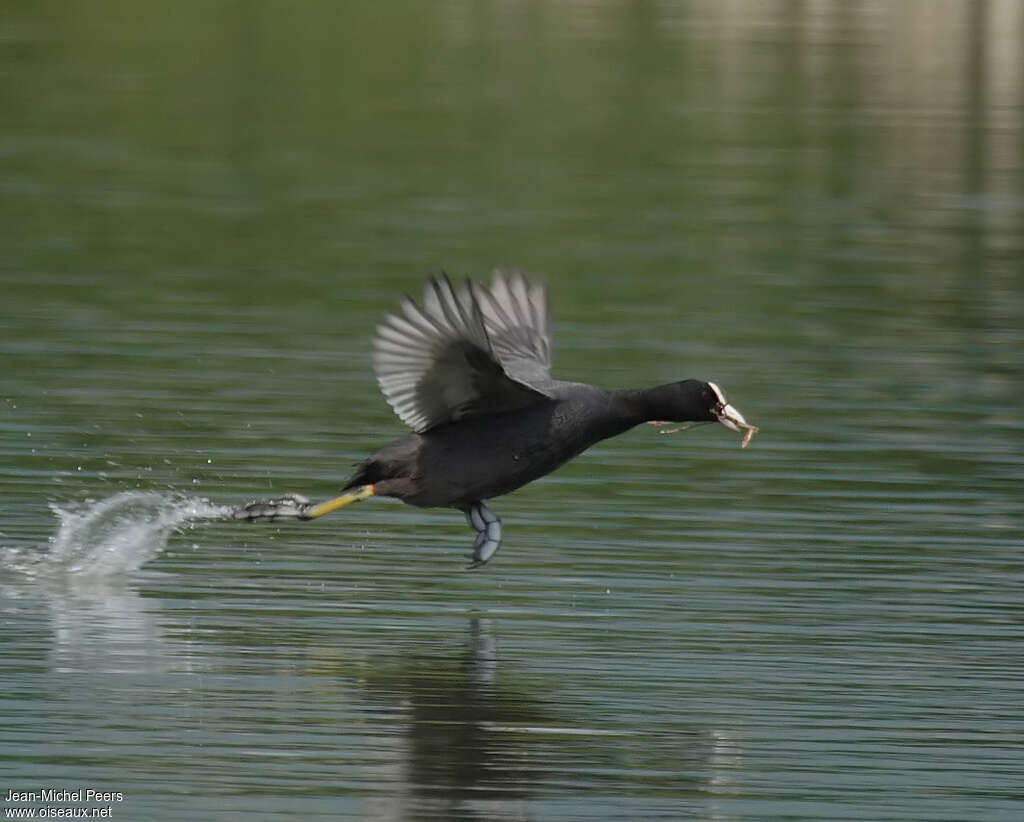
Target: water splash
<point>112,536</point>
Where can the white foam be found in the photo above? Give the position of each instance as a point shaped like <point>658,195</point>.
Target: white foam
<point>112,536</point>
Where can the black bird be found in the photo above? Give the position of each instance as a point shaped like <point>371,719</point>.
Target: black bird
<point>470,374</point>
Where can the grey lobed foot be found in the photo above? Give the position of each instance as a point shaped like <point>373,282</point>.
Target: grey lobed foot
<point>290,506</point>
<point>488,533</point>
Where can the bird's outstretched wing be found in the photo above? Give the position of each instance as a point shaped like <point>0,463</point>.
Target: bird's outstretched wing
<point>518,325</point>
<point>455,358</point>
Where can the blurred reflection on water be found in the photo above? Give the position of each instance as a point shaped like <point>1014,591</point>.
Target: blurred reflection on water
<point>203,214</point>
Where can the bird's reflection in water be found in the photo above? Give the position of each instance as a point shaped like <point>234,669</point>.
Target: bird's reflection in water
<point>476,745</point>
<point>456,758</point>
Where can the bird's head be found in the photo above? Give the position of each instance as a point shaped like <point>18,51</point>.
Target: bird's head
<point>695,401</point>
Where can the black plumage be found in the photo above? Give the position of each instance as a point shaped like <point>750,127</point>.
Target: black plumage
<point>469,372</point>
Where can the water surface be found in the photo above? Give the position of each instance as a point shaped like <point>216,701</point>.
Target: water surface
<point>818,206</point>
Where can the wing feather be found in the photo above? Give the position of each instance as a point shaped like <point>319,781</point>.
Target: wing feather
<point>443,361</point>
<point>517,321</point>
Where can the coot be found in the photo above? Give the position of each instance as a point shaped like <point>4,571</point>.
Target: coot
<point>470,373</point>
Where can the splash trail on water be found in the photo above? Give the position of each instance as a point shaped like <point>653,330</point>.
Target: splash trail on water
<point>112,536</point>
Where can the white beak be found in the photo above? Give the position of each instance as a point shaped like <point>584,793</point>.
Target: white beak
<point>731,418</point>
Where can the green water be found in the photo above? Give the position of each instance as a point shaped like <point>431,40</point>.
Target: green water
<point>204,211</point>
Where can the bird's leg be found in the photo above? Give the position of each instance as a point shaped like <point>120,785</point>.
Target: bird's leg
<point>357,494</point>
<point>290,506</point>
<point>295,506</point>
<point>488,533</point>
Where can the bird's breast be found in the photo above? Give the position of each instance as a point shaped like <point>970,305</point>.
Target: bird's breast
<point>486,457</point>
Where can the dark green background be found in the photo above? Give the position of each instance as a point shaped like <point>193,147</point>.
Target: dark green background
<point>206,208</point>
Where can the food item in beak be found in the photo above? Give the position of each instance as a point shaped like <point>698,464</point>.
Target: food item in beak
<point>733,419</point>
<point>748,434</point>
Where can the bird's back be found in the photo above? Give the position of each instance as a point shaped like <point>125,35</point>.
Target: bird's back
<point>484,457</point>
